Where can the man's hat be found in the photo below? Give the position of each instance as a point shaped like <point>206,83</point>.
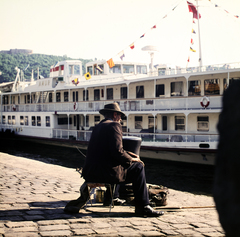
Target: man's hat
<point>114,107</point>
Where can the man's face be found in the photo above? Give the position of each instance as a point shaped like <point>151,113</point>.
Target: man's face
<point>117,117</point>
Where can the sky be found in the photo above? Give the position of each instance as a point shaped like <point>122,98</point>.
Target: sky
<point>94,29</point>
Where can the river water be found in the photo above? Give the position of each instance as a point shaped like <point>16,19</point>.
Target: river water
<point>192,178</point>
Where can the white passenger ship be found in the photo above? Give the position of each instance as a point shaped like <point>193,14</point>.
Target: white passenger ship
<point>174,110</point>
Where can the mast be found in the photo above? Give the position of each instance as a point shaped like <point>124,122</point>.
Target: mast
<point>199,40</point>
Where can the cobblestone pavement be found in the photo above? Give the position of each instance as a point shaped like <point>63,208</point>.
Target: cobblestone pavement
<point>33,195</point>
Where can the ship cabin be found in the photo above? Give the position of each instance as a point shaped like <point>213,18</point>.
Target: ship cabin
<point>161,104</point>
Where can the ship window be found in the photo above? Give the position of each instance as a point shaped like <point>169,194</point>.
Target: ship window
<point>177,88</point>
<point>96,120</point>
<point>21,120</point>
<point>89,69</point>
<point>26,120</point>
<point>33,121</point>
<point>164,123</point>
<point>109,93</point>
<point>27,99</point>
<point>138,122</point>
<point>85,95</point>
<point>128,68</point>
<point>66,96</point>
<point>124,124</point>
<point>141,69</point>
<point>33,98</point>
<point>123,92</point>
<point>202,123</point>
<point>9,119</point>
<point>180,123</point>
<point>74,69</point>
<point>64,120</point>
<point>115,69</point>
<point>194,88</point>
<point>5,99</point>
<point>3,119</point>
<point>75,96</point>
<point>87,121</point>
<point>38,120</point>
<point>47,121</point>
<point>151,123</point>
<point>13,120</point>
<point>139,91</point>
<point>160,90</point>
<point>50,97</point>
<point>161,71</point>
<point>96,94</point>
<point>13,99</point>
<point>58,97</point>
<point>211,87</point>
<point>225,84</point>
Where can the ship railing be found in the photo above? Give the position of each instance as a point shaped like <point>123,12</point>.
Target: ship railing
<point>207,68</point>
<point>154,104</point>
<point>84,135</point>
<point>159,137</point>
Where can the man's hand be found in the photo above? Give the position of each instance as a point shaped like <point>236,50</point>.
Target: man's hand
<point>135,157</point>
<point>137,160</point>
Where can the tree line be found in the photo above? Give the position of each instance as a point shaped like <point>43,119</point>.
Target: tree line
<point>8,63</point>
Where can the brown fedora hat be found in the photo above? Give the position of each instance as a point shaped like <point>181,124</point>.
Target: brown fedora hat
<point>114,107</point>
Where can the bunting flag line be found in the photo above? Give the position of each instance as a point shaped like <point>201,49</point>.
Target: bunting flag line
<point>75,81</point>
<point>110,63</point>
<point>193,9</point>
<point>87,75</point>
<point>215,5</point>
<point>132,46</point>
<point>99,69</point>
<point>192,49</point>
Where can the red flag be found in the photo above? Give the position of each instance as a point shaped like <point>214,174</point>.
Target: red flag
<point>132,46</point>
<point>193,9</point>
<point>154,27</point>
<point>191,41</point>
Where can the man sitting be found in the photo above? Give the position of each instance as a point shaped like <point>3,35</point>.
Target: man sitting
<point>108,162</point>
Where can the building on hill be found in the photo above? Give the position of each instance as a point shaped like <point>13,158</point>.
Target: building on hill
<point>16,51</point>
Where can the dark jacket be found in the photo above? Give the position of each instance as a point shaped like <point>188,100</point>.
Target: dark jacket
<point>106,159</point>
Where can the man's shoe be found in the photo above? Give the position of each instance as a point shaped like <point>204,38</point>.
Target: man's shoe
<point>116,201</point>
<point>147,211</point>
<point>75,205</point>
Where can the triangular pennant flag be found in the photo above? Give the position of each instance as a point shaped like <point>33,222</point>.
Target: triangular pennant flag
<point>191,41</point>
<point>154,27</point>
<point>192,50</point>
<point>142,36</point>
<point>111,63</point>
<point>193,31</point>
<point>132,46</point>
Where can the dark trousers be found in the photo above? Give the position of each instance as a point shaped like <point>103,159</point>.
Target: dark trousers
<point>136,176</point>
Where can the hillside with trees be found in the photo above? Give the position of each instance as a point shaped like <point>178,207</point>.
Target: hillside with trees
<point>8,63</point>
